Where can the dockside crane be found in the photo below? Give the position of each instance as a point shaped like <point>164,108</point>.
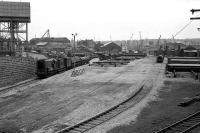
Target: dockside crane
<point>128,43</point>
<point>47,33</point>
<point>140,42</point>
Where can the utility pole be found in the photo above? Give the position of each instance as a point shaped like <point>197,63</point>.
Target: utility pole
<point>140,44</point>
<point>193,11</point>
<point>74,36</point>
<point>158,42</point>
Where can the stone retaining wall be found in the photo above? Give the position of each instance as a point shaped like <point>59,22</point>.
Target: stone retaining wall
<point>16,69</point>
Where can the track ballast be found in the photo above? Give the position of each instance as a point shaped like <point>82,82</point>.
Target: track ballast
<point>185,125</point>
<point>107,115</point>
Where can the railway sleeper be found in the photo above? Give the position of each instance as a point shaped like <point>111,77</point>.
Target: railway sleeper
<point>103,118</point>
<point>123,105</point>
<point>176,129</point>
<point>89,125</point>
<point>86,126</point>
<point>189,124</point>
<point>191,128</point>
<point>120,109</point>
<point>192,121</point>
<point>73,131</point>
<point>183,125</point>
<point>113,113</point>
<point>131,103</point>
<point>106,117</point>
<point>79,129</point>
<point>128,103</point>
<point>95,122</point>
<point>197,117</point>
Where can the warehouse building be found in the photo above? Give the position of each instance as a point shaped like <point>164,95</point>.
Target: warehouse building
<point>111,48</point>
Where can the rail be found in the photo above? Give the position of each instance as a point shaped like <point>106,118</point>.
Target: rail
<point>105,116</point>
<point>183,126</point>
<point>7,88</point>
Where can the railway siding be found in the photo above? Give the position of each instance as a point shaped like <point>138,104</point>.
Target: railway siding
<point>61,100</point>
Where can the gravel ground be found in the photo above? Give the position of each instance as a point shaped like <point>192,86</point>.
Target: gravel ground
<point>153,83</point>
<point>62,100</point>
<point>163,110</point>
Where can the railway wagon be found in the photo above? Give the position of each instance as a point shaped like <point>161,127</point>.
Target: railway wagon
<point>76,61</point>
<point>85,60</point>
<point>60,65</point>
<point>49,67</point>
<point>68,63</point>
<point>46,67</point>
<point>159,58</point>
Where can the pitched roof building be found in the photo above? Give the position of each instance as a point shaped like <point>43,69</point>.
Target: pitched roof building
<point>111,48</point>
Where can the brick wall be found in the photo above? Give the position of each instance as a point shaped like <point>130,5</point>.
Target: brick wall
<point>16,69</point>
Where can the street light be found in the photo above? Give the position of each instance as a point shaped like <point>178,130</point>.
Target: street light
<point>74,36</point>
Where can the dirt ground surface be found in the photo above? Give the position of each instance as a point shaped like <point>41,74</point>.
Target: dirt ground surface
<point>62,100</point>
<point>164,109</point>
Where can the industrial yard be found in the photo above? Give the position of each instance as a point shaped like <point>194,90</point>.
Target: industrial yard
<point>42,106</point>
<point>61,101</point>
<point>90,73</point>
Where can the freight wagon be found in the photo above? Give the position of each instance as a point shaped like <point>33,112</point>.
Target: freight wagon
<point>49,67</point>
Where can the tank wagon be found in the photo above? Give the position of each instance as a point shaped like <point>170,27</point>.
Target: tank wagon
<point>49,67</point>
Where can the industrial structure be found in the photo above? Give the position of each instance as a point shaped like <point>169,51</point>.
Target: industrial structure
<point>14,19</point>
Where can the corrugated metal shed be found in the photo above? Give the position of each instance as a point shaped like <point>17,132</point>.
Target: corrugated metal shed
<point>14,9</point>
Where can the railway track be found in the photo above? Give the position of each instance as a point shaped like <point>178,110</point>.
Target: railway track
<point>107,115</point>
<point>8,88</point>
<point>185,125</point>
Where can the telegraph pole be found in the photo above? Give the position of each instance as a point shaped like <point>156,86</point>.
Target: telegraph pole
<point>193,11</point>
<point>74,36</point>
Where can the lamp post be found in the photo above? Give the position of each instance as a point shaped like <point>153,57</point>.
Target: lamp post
<point>74,36</point>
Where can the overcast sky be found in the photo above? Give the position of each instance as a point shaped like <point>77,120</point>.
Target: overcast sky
<point>113,19</point>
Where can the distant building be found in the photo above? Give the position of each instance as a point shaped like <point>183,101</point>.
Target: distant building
<point>83,49</point>
<point>111,48</point>
<point>57,46</point>
<point>90,44</point>
<point>174,46</point>
<point>124,48</point>
<point>52,39</point>
<point>33,55</point>
<point>43,45</point>
<point>97,46</point>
